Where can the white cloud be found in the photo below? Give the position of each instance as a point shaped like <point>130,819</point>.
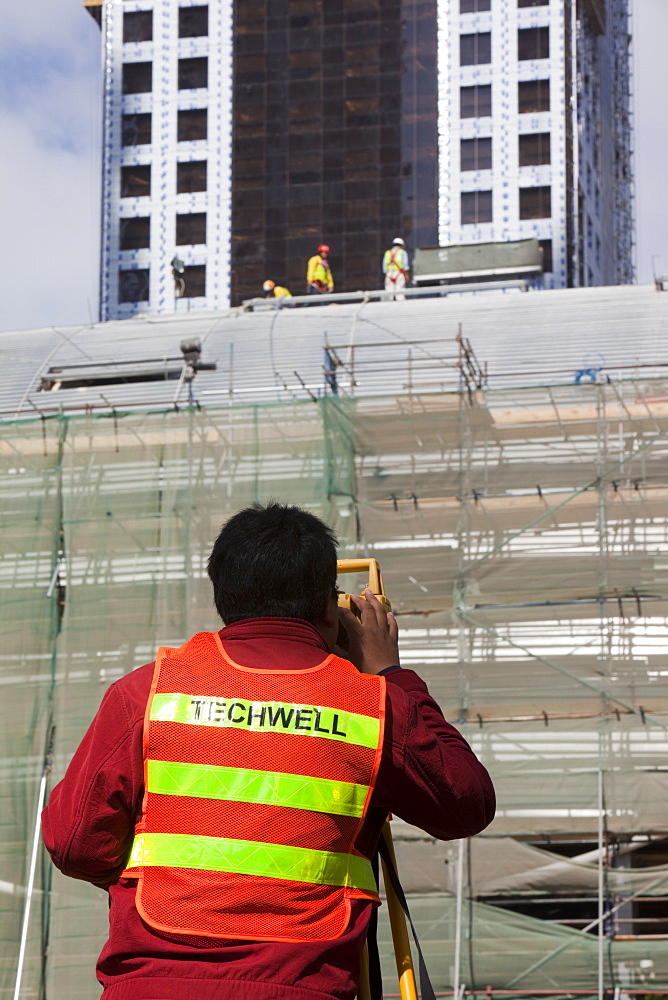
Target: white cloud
<point>50,112</point>
<point>49,246</point>
<point>51,25</point>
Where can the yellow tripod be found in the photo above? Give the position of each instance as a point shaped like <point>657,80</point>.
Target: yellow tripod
<point>402,950</point>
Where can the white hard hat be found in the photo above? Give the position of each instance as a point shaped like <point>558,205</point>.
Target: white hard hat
<point>398,241</point>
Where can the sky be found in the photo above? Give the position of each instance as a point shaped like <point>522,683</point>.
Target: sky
<point>50,124</point>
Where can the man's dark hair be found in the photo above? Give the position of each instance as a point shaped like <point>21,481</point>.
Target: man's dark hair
<point>273,561</point>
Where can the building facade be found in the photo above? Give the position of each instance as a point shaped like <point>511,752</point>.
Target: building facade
<point>331,137</point>
<point>335,137</point>
<point>535,134</point>
<point>167,155</point>
<point>240,136</point>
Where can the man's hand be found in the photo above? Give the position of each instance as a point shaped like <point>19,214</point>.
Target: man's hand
<point>374,642</point>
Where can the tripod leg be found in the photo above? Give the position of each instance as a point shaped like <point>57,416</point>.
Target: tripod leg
<point>364,988</point>
<point>402,948</point>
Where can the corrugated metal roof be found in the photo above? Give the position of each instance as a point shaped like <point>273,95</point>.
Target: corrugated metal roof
<point>533,338</point>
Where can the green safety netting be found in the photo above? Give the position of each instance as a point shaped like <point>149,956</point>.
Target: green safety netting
<point>513,952</point>
<point>30,469</point>
<point>522,539</point>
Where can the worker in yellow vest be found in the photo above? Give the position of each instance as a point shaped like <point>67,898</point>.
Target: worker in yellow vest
<point>396,267</point>
<point>319,278</point>
<point>273,291</point>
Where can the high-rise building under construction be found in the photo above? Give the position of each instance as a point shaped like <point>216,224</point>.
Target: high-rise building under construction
<point>239,136</point>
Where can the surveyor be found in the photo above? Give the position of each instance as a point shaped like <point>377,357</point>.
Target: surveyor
<point>396,267</point>
<point>228,797</point>
<point>273,291</point>
<point>319,279</point>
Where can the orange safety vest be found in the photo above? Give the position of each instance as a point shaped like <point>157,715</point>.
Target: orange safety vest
<point>257,784</point>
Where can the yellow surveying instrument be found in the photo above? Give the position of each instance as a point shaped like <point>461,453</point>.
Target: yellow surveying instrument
<point>402,950</point>
<point>374,584</point>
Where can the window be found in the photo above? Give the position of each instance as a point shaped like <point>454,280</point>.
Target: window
<point>190,229</point>
<point>474,50</point>
<point>137,78</point>
<point>476,154</point>
<point>191,125</point>
<point>533,43</point>
<point>191,176</point>
<point>475,102</point>
<point>535,203</point>
<point>533,96</point>
<point>546,247</point>
<point>135,234</point>
<point>193,73</point>
<point>136,130</point>
<point>193,22</point>
<point>532,3</point>
<point>476,207</point>
<point>534,148</point>
<point>474,6</point>
<point>133,285</point>
<point>138,26</point>
<point>195,280</point>
<point>135,182</point>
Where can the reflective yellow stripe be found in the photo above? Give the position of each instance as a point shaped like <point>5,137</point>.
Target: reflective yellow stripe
<point>267,717</point>
<point>246,857</point>
<point>341,798</point>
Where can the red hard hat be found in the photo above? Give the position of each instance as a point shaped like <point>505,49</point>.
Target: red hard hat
<point>323,249</point>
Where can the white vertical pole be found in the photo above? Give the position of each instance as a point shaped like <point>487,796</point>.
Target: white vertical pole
<point>31,884</point>
<point>601,928</point>
<point>458,919</point>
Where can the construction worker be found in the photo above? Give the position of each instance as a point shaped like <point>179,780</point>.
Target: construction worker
<point>230,795</point>
<point>319,278</point>
<point>396,267</point>
<point>273,291</point>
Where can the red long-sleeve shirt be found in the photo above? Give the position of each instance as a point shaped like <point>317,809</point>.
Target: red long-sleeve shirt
<point>428,775</point>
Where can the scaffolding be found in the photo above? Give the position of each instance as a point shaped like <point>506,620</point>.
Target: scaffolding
<point>622,130</point>
<point>522,534</point>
